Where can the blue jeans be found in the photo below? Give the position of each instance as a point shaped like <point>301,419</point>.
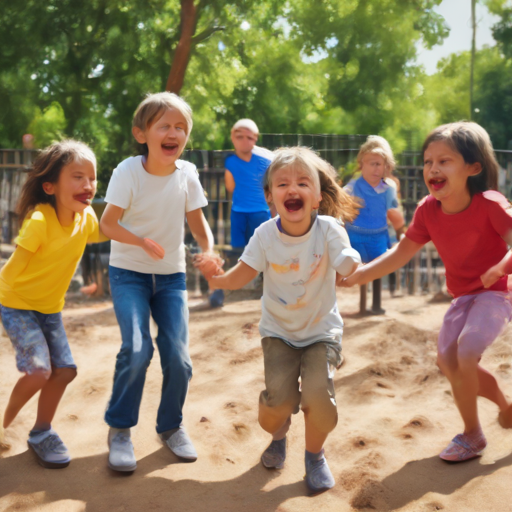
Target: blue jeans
<point>136,296</point>
<point>243,225</point>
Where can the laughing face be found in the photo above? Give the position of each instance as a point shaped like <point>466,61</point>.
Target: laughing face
<point>166,139</point>
<point>74,190</point>
<point>446,175</point>
<point>295,196</point>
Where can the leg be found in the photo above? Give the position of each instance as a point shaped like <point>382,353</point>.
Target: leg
<point>26,387</point>
<point>281,397</point>
<point>169,309</point>
<point>376,297</point>
<point>63,369</point>
<point>32,357</point>
<point>131,293</point>
<point>238,229</point>
<point>318,365</point>
<point>50,396</point>
<point>488,316</point>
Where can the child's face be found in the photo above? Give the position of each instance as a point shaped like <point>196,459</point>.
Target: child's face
<point>373,168</point>
<point>75,188</point>
<point>446,173</point>
<point>295,196</point>
<point>166,138</point>
<point>243,140</point>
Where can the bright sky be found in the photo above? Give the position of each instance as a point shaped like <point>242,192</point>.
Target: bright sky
<point>457,14</point>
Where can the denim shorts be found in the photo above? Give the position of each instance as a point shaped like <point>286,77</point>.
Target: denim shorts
<point>39,340</point>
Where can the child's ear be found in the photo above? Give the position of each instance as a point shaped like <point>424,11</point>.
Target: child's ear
<point>139,135</point>
<point>475,168</point>
<point>48,188</point>
<point>319,200</point>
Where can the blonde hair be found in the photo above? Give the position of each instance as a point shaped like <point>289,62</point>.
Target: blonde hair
<point>248,124</point>
<point>377,145</point>
<point>335,201</point>
<point>46,169</point>
<point>473,143</point>
<point>153,107</point>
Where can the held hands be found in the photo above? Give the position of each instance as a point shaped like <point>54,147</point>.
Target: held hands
<point>153,249</point>
<point>210,264</point>
<point>351,280</point>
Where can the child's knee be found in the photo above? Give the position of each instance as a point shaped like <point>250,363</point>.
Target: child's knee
<point>320,410</point>
<point>64,375</point>
<point>273,411</point>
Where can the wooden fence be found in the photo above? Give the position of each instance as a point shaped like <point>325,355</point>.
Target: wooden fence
<point>424,273</point>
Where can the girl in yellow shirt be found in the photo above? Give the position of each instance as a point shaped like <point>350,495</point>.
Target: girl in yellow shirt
<point>58,221</point>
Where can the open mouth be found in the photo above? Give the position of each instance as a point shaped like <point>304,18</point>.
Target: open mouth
<point>83,198</point>
<point>170,148</point>
<point>437,183</point>
<point>293,205</point>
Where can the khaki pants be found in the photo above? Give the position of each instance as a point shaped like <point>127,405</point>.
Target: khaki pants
<point>282,397</point>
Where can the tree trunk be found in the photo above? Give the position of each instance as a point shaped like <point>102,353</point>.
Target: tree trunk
<point>182,53</point>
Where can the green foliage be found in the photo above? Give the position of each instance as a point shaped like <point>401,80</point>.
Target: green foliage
<point>79,69</point>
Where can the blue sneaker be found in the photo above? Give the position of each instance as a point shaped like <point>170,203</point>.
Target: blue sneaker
<point>275,455</point>
<point>51,452</point>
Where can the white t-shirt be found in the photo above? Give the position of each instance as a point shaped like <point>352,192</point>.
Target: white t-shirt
<point>154,207</point>
<point>299,294</point>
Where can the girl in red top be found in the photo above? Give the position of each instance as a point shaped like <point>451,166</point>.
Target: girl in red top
<point>470,224</point>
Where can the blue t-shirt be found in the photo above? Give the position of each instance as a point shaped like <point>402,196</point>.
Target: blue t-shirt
<point>248,195</point>
<point>376,203</point>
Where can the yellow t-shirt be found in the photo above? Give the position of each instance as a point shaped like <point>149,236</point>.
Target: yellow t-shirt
<point>57,250</point>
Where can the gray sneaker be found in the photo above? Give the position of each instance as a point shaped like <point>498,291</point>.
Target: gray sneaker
<point>180,444</point>
<point>50,450</point>
<point>121,456</point>
<point>318,475</point>
<point>274,456</point>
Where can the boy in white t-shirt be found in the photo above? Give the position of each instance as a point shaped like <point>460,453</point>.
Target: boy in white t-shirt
<point>149,197</point>
<point>299,253</point>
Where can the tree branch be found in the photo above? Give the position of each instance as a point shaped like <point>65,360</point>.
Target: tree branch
<point>205,34</point>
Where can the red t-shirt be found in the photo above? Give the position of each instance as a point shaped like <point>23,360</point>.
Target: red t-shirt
<point>469,242</point>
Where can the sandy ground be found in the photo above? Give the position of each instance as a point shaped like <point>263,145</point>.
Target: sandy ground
<point>395,414</point>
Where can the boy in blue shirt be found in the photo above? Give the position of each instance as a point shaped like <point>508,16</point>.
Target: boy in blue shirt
<point>244,179</point>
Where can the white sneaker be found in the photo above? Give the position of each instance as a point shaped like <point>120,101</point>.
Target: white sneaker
<point>121,456</point>
<point>50,450</point>
<point>180,444</point>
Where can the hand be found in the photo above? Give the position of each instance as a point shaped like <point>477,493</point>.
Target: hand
<point>491,276</point>
<point>347,282</point>
<point>90,289</point>
<point>153,249</point>
<point>209,263</point>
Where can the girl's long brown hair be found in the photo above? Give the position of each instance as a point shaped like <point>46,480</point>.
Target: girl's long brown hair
<point>335,201</point>
<point>474,145</point>
<point>46,169</point>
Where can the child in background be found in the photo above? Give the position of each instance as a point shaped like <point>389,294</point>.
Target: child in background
<point>58,222</point>
<point>299,253</point>
<point>244,179</point>
<point>369,232</point>
<point>149,197</point>
<point>470,224</point>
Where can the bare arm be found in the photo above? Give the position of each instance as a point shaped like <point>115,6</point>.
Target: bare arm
<point>16,264</point>
<point>230,181</point>
<point>110,227</point>
<point>385,264</point>
<point>397,221</point>
<point>200,230</point>
<point>235,278</point>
